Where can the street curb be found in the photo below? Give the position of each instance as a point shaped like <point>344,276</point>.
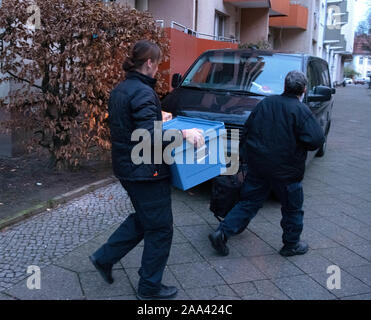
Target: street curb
<point>52,203</point>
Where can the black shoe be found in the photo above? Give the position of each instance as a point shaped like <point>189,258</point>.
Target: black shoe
<point>164,293</point>
<point>218,241</point>
<point>104,270</point>
<point>300,248</point>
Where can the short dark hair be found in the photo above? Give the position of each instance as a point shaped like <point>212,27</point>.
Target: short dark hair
<point>295,83</point>
<point>142,51</point>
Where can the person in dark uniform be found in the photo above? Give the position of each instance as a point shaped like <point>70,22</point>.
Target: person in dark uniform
<point>133,104</point>
<point>276,138</point>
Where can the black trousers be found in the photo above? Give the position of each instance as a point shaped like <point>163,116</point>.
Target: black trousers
<point>253,193</point>
<point>153,222</point>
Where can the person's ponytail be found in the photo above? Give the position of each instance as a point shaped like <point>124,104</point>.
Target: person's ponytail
<point>142,51</point>
<point>128,64</point>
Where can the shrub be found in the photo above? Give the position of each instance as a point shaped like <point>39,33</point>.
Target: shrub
<point>65,68</point>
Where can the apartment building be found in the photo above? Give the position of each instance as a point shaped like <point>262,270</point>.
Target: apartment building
<point>243,21</point>
<point>302,30</point>
<point>339,36</point>
<point>362,55</point>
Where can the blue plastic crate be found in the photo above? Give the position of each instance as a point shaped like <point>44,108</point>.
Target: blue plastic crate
<point>194,166</point>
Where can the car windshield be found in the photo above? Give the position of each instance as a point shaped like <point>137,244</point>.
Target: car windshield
<point>242,72</point>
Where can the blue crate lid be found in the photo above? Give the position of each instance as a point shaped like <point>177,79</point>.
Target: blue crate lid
<point>183,123</point>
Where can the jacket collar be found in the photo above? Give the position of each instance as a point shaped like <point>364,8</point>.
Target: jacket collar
<point>290,95</point>
<point>142,77</point>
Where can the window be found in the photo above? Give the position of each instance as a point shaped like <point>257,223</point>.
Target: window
<point>247,72</point>
<point>219,27</point>
<point>360,60</point>
<point>314,77</point>
<point>324,73</point>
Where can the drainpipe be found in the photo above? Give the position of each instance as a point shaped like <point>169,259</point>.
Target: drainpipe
<point>195,27</point>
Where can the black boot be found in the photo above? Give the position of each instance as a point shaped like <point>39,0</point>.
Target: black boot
<point>218,241</point>
<point>104,270</point>
<point>165,292</point>
<point>293,250</point>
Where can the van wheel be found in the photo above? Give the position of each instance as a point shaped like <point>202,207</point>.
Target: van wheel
<point>321,152</point>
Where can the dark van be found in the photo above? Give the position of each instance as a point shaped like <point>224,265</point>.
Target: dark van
<point>225,85</point>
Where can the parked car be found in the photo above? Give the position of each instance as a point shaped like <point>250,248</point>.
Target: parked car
<point>226,85</point>
<point>348,80</point>
<point>360,81</point>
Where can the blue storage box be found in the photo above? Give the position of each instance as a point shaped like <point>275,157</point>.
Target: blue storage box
<point>193,166</point>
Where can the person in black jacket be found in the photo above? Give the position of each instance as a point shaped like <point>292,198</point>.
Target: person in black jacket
<point>276,138</point>
<point>133,105</point>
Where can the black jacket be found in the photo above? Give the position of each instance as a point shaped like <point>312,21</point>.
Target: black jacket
<point>277,136</point>
<point>134,104</point>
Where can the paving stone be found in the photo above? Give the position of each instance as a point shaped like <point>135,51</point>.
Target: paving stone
<point>128,297</point>
<point>103,237</point>
<point>180,208</point>
<point>168,278</point>
<point>317,240</point>
<point>196,234</point>
<point>364,251</point>
<point>264,228</point>
<point>347,222</point>
<point>337,233</point>
<point>362,272</point>
<point>178,237</point>
<point>245,288</point>
<point>251,245</point>
<point>209,293</point>
<point>5,297</point>
<point>94,286</point>
<point>183,253</point>
<point>275,266</point>
<point>196,275</point>
<point>56,284</point>
<point>205,249</point>
<point>302,287</point>
<point>78,260</point>
<point>187,219</point>
<point>258,296</point>
<point>358,297</point>
<point>349,284</point>
<point>237,270</point>
<point>133,259</point>
<point>268,288</point>
<point>342,257</point>
<point>200,207</point>
<point>365,232</point>
<point>311,262</point>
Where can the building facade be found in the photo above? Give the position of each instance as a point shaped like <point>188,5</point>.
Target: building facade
<point>362,55</point>
<point>339,36</point>
<point>242,21</point>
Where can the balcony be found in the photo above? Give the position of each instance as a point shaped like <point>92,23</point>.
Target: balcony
<point>276,7</point>
<point>297,19</point>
